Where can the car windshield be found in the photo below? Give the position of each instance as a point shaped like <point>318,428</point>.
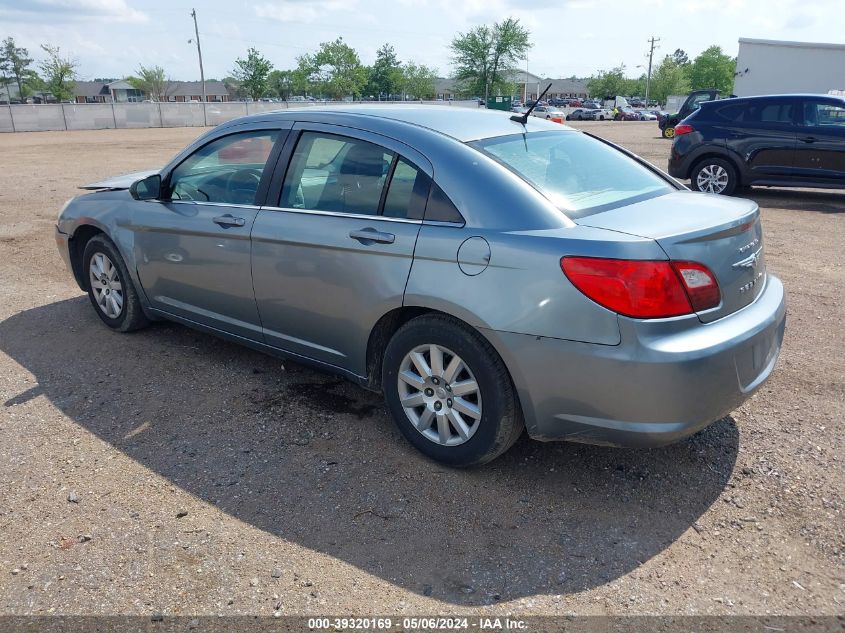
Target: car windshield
<point>579,174</point>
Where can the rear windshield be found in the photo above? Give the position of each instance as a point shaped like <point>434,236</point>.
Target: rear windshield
<point>579,174</point>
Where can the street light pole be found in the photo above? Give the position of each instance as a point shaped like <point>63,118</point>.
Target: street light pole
<point>202,72</point>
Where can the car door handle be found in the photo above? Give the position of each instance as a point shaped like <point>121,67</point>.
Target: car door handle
<point>809,139</point>
<point>229,220</point>
<point>370,235</point>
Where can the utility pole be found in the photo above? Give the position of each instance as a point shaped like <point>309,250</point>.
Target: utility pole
<point>202,72</point>
<point>648,76</point>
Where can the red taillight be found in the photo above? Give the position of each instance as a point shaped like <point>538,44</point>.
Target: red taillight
<point>700,284</point>
<point>683,128</point>
<point>643,289</point>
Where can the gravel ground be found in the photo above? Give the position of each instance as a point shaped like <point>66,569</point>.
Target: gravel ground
<point>170,472</point>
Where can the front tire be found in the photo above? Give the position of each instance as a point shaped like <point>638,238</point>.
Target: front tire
<point>669,132</point>
<point>449,392</point>
<point>714,175</point>
<point>110,287</point>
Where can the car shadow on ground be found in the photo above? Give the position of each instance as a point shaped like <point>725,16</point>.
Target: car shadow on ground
<point>795,199</point>
<point>316,461</point>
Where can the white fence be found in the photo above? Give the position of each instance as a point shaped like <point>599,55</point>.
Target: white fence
<point>103,116</point>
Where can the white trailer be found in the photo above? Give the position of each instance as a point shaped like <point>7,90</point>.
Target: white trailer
<point>765,67</point>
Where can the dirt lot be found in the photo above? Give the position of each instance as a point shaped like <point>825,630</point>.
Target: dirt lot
<point>170,472</point>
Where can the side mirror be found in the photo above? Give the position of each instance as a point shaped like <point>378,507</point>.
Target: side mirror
<point>147,189</point>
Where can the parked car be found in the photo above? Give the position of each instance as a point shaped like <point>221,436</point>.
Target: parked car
<point>603,114</point>
<point>645,115</point>
<point>690,105</point>
<point>626,114</point>
<point>636,102</point>
<point>548,112</point>
<point>659,114</point>
<point>581,114</point>
<point>593,105</point>
<point>784,140</point>
<point>615,307</point>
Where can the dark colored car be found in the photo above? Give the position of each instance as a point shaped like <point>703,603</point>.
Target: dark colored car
<point>694,99</point>
<point>782,140</point>
<point>581,114</point>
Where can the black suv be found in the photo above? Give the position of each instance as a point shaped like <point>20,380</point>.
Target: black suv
<point>783,140</point>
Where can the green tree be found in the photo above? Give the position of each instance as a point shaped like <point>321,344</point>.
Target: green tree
<point>486,56</point>
<point>152,81</point>
<point>281,83</point>
<point>669,78</point>
<point>59,73</point>
<point>418,80</point>
<point>385,76</point>
<point>335,69</point>
<point>713,69</point>
<point>252,73</point>
<point>680,57</point>
<point>15,64</point>
<point>608,83</point>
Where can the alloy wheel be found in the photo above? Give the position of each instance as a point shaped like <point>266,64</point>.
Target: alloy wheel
<point>106,285</point>
<point>712,179</point>
<point>439,394</point>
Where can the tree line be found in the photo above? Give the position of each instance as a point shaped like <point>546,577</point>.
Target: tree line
<point>674,75</point>
<point>56,77</point>
<point>484,61</point>
<point>333,71</point>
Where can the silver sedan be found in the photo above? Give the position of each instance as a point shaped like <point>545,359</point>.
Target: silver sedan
<point>487,273</point>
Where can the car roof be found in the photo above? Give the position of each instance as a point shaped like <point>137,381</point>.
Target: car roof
<point>461,123</point>
<point>773,97</point>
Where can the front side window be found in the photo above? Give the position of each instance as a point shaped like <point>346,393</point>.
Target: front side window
<point>227,170</point>
<point>578,174</point>
<point>824,114</point>
<point>335,173</point>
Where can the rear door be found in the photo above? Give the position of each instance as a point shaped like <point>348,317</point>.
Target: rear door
<point>820,152</point>
<point>193,246</point>
<point>765,136</point>
<point>332,253</point>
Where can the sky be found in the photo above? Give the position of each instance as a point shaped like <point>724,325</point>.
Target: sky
<point>111,38</point>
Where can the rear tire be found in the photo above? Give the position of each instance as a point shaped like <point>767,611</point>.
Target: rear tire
<point>110,287</point>
<point>460,412</point>
<point>714,175</point>
<point>669,132</point>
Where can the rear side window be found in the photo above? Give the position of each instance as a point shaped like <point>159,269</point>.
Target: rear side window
<point>731,112</point>
<point>769,112</point>
<point>407,192</point>
<point>440,208</point>
<point>333,173</point>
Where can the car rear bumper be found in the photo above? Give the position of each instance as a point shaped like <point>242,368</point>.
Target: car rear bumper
<point>664,381</point>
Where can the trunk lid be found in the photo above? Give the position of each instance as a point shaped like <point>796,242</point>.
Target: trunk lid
<point>722,233</point>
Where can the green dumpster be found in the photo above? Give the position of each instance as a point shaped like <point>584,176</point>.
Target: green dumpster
<point>499,103</point>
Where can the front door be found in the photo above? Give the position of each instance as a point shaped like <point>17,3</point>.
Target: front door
<point>335,253</point>
<point>820,154</point>
<point>193,253</point>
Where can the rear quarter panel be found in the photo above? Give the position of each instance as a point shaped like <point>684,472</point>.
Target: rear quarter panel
<point>522,289</point>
